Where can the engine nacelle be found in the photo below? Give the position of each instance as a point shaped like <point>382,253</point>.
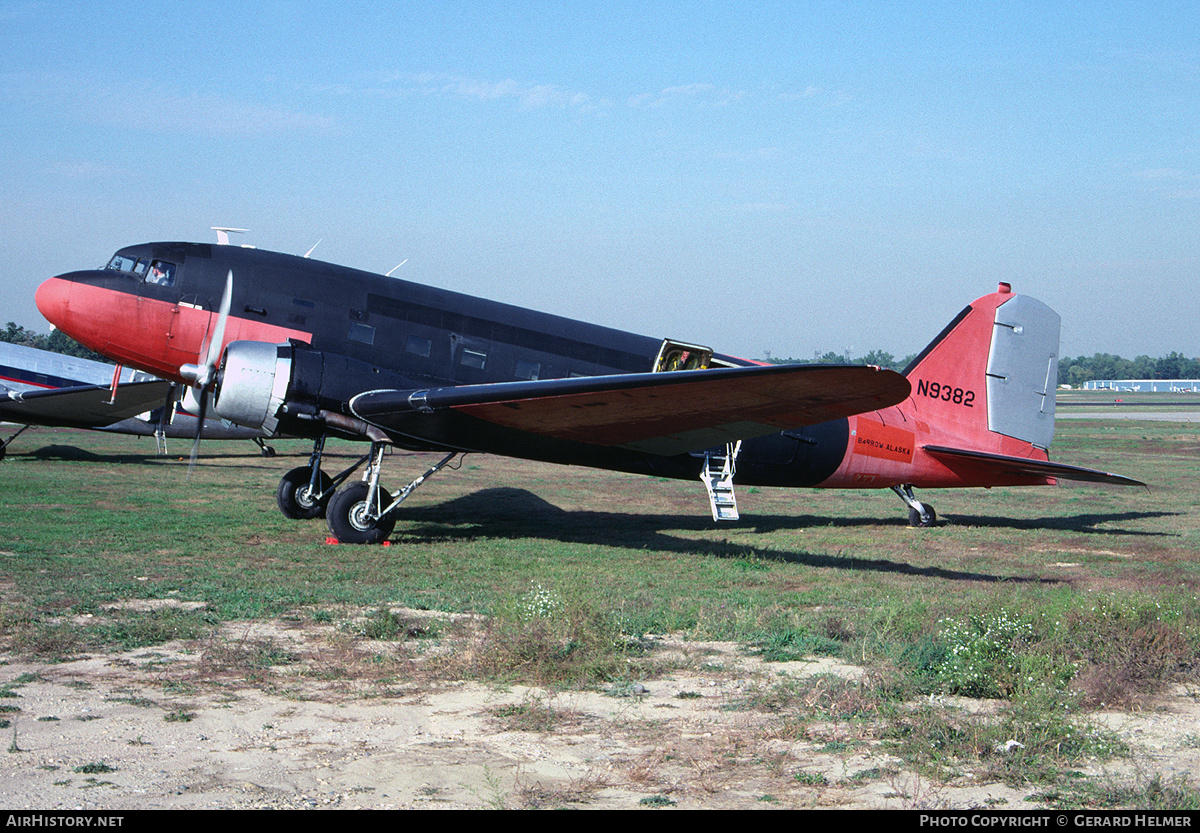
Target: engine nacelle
<point>262,384</point>
<point>254,383</point>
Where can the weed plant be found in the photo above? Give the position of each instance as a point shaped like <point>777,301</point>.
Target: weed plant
<point>1153,793</point>
<point>546,638</point>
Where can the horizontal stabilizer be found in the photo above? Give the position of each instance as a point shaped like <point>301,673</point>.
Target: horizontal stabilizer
<point>653,413</point>
<point>1002,464</point>
<point>86,406</point>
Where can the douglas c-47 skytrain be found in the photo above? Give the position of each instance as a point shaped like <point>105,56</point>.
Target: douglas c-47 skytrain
<point>294,346</point>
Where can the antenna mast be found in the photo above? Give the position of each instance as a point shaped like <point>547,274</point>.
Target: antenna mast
<point>223,234</point>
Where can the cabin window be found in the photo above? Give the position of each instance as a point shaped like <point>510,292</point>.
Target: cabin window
<point>473,358</point>
<point>362,333</point>
<point>162,273</point>
<point>418,346</point>
<point>527,370</point>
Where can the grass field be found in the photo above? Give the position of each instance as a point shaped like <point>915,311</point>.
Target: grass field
<point>1048,599</point>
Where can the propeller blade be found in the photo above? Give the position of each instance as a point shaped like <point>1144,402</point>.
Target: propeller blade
<point>165,417</point>
<point>218,338</point>
<point>199,432</point>
<point>205,376</point>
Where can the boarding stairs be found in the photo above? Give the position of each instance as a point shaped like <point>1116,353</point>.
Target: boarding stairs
<point>717,476</point>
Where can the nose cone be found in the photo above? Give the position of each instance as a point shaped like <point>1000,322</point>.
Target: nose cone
<point>53,300</point>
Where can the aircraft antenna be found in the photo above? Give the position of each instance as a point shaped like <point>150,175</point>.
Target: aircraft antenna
<point>223,234</point>
<point>397,266</point>
<point>310,251</point>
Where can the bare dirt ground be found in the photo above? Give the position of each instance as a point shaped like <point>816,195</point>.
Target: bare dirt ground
<point>176,727</point>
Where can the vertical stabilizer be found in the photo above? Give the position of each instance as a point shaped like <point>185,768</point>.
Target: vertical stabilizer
<point>991,374</point>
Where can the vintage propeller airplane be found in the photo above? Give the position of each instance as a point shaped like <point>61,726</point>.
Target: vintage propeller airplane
<point>291,345</point>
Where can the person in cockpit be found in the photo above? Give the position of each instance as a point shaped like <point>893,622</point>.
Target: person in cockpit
<point>161,273</point>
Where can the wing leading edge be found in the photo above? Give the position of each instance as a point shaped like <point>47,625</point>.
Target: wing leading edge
<point>650,413</point>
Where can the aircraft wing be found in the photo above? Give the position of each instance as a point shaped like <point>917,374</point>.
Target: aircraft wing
<point>1031,468</point>
<point>85,406</point>
<point>652,413</point>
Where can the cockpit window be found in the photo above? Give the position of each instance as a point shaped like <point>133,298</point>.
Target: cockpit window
<point>122,263</point>
<point>161,272</point>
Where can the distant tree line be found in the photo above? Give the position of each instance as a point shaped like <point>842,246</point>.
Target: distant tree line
<point>1075,372</point>
<point>56,342</point>
<point>1072,372</point>
<point>879,358</point>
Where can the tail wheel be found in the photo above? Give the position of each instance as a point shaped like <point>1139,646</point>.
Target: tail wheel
<point>352,519</point>
<point>295,495</point>
<point>915,518</point>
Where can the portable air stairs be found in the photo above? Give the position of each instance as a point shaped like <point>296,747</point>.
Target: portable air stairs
<point>717,475</point>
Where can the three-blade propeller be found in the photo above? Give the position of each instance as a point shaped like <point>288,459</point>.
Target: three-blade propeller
<point>203,377</point>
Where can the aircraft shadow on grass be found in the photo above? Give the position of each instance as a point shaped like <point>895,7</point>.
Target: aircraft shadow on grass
<point>73,453</point>
<point>1087,523</point>
<point>76,454</point>
<point>510,513</point>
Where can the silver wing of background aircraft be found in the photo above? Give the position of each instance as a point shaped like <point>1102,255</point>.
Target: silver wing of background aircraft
<point>38,387</point>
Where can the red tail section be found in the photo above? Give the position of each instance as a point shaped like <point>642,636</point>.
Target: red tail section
<point>981,407</point>
<point>989,378</point>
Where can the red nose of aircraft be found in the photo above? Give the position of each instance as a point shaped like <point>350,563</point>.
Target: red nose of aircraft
<point>92,315</point>
<point>99,317</point>
<point>53,299</point>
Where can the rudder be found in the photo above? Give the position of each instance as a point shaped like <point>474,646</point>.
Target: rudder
<point>992,371</point>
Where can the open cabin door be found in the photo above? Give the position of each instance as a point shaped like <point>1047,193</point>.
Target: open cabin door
<point>679,355</point>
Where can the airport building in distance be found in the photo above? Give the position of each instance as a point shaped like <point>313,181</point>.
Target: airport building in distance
<point>1145,385</point>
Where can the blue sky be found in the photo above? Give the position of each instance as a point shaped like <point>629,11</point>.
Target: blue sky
<point>784,177</point>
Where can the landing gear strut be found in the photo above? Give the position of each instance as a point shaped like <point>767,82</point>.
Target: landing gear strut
<point>4,445</point>
<point>919,514</point>
<point>362,512</point>
<point>305,492</point>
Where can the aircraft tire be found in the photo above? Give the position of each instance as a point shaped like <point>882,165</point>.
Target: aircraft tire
<point>348,520</point>
<point>914,517</point>
<point>294,497</point>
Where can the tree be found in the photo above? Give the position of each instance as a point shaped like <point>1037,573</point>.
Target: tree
<point>880,358</point>
<point>17,335</point>
<point>56,342</point>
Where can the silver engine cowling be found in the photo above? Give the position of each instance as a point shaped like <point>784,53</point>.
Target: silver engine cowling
<point>254,383</point>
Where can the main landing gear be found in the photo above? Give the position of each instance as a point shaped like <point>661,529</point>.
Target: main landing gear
<point>305,492</point>
<point>360,513</point>
<point>919,514</point>
<point>4,444</point>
